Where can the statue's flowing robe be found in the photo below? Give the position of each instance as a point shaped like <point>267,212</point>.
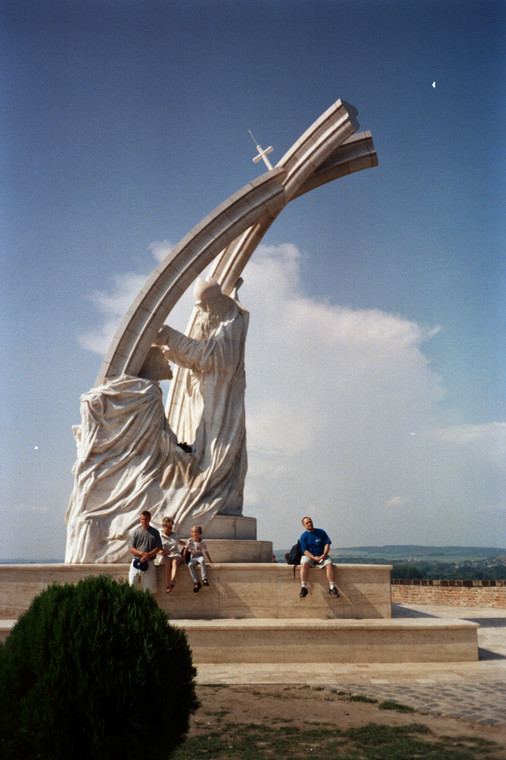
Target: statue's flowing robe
<point>212,421</point>
<point>122,446</point>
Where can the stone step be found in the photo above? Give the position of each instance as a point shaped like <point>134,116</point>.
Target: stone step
<point>331,641</point>
<point>237,590</point>
<point>6,627</point>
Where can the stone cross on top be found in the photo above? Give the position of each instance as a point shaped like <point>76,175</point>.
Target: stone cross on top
<point>262,154</point>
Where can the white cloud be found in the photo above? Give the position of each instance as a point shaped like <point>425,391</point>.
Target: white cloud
<point>115,302</point>
<point>118,300</point>
<point>492,435</point>
<point>334,396</point>
<point>160,249</point>
<point>344,417</point>
<point>398,501</point>
<point>98,340</point>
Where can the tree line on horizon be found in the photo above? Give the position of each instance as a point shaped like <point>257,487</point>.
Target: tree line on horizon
<point>480,564</point>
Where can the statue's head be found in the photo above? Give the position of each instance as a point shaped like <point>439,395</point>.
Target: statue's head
<point>156,366</point>
<point>214,307</point>
<point>206,290</point>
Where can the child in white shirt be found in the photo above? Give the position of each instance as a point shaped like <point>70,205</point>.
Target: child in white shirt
<point>198,551</point>
<point>170,554</point>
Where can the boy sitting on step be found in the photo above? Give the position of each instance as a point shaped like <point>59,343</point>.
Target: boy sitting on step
<point>198,551</point>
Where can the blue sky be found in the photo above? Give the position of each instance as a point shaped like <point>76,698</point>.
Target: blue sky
<point>375,358</point>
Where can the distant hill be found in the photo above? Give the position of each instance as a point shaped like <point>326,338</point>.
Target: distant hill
<point>423,548</point>
<point>384,554</point>
<point>418,552</point>
<point>413,552</point>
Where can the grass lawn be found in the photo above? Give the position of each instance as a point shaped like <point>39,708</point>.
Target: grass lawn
<point>262,723</point>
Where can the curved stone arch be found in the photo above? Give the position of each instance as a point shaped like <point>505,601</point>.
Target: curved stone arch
<point>355,154</point>
<point>233,230</point>
<point>180,268</point>
<point>327,150</point>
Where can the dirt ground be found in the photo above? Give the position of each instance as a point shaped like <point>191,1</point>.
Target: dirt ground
<point>301,705</point>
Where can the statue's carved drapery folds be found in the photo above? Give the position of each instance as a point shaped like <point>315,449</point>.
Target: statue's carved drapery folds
<point>212,418</point>
<point>122,443</point>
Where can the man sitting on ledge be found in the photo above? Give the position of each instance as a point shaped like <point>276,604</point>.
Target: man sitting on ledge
<point>145,543</point>
<point>315,547</point>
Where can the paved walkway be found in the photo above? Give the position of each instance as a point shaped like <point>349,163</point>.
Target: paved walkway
<point>475,691</point>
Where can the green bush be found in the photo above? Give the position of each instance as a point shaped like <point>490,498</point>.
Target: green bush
<point>95,671</point>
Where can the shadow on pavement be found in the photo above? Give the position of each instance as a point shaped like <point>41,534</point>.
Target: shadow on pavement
<point>488,622</point>
<point>486,654</point>
<point>398,611</point>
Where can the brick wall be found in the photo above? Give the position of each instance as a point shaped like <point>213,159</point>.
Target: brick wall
<point>448,593</point>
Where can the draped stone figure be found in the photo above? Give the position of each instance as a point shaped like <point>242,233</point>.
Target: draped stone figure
<point>212,419</point>
<point>123,443</point>
<point>129,459</point>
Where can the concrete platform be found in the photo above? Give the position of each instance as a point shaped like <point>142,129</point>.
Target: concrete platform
<point>273,643</point>
<point>252,613</point>
<point>237,590</point>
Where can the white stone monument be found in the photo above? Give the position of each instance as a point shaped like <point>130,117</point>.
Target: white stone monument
<point>131,454</point>
<point>190,461</point>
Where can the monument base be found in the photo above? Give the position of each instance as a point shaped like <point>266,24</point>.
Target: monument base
<point>252,613</point>
<point>237,527</point>
<point>236,550</point>
<point>232,538</point>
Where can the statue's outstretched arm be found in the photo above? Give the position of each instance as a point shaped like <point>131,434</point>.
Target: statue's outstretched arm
<point>184,351</point>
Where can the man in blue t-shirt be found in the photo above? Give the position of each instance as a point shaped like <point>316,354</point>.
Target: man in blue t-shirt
<point>315,547</point>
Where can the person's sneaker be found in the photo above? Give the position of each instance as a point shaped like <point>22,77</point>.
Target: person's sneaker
<point>196,587</point>
<point>334,592</point>
<point>303,592</point>
<point>205,582</point>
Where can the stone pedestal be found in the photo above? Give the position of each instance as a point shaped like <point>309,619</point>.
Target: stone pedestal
<point>232,526</point>
<point>232,538</point>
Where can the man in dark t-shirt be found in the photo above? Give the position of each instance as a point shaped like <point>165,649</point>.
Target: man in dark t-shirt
<point>145,542</point>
